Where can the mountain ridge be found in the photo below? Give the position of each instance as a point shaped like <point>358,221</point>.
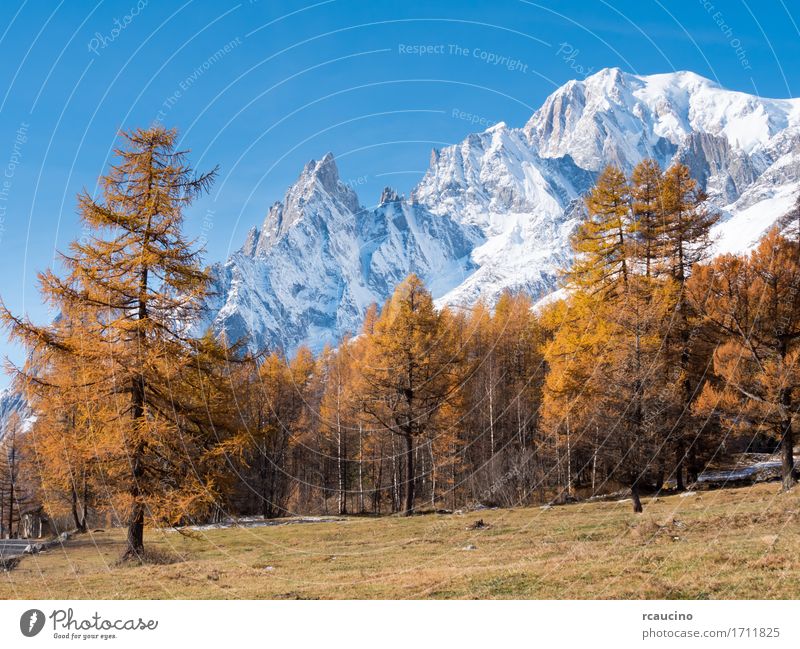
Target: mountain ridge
<point>495,211</point>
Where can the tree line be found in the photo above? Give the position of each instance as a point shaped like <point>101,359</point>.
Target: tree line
<point>657,360</point>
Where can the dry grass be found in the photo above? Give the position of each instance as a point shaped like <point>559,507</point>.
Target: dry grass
<point>737,543</point>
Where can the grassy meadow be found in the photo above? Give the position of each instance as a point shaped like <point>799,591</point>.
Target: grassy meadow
<point>733,543</point>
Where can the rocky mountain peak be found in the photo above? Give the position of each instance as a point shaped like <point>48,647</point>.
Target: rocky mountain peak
<point>324,171</point>
<point>389,195</point>
<point>496,210</point>
<point>318,193</point>
<point>251,241</point>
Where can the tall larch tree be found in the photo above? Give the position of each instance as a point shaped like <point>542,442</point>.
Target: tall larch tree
<point>631,394</point>
<point>603,246</point>
<point>339,413</point>
<point>136,281</point>
<point>686,240</point>
<point>409,371</point>
<point>606,391</point>
<point>578,339</point>
<point>272,416</point>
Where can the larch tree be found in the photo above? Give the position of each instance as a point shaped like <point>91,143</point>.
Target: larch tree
<point>62,438</point>
<point>519,365</point>
<point>409,371</point>
<point>484,400</point>
<point>604,247</point>
<point>686,240</point>
<point>570,354</point>
<point>687,222</point>
<point>272,422</point>
<point>606,391</point>
<point>630,394</point>
<point>303,399</point>
<point>339,413</point>
<point>159,397</point>
<point>605,394</point>
<point>518,337</point>
<point>275,397</point>
<point>480,348</point>
<point>602,243</point>
<point>11,497</point>
<point>648,216</point>
<point>754,302</point>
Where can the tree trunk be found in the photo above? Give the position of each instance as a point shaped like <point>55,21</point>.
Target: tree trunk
<point>80,526</point>
<point>395,479</point>
<point>378,482</point>
<point>135,548</point>
<point>12,484</point>
<point>409,475</point>
<point>788,477</point>
<point>491,415</point>
<point>419,461</point>
<point>85,505</point>
<point>569,460</point>
<point>692,469</point>
<point>433,475</point>
<point>340,471</point>
<point>453,475</point>
<point>637,502</point>
<point>265,508</point>
<point>11,510</point>
<point>360,473</point>
<point>679,453</point>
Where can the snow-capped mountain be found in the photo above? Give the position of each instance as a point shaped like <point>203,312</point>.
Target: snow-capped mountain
<point>496,210</point>
<point>320,259</point>
<point>525,206</point>
<point>618,118</point>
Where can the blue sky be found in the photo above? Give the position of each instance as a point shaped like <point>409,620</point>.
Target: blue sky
<point>261,87</point>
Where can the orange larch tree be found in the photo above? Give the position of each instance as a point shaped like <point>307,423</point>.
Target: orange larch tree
<point>159,398</point>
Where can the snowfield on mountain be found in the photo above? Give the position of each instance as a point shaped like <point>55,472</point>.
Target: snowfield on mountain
<point>495,211</point>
